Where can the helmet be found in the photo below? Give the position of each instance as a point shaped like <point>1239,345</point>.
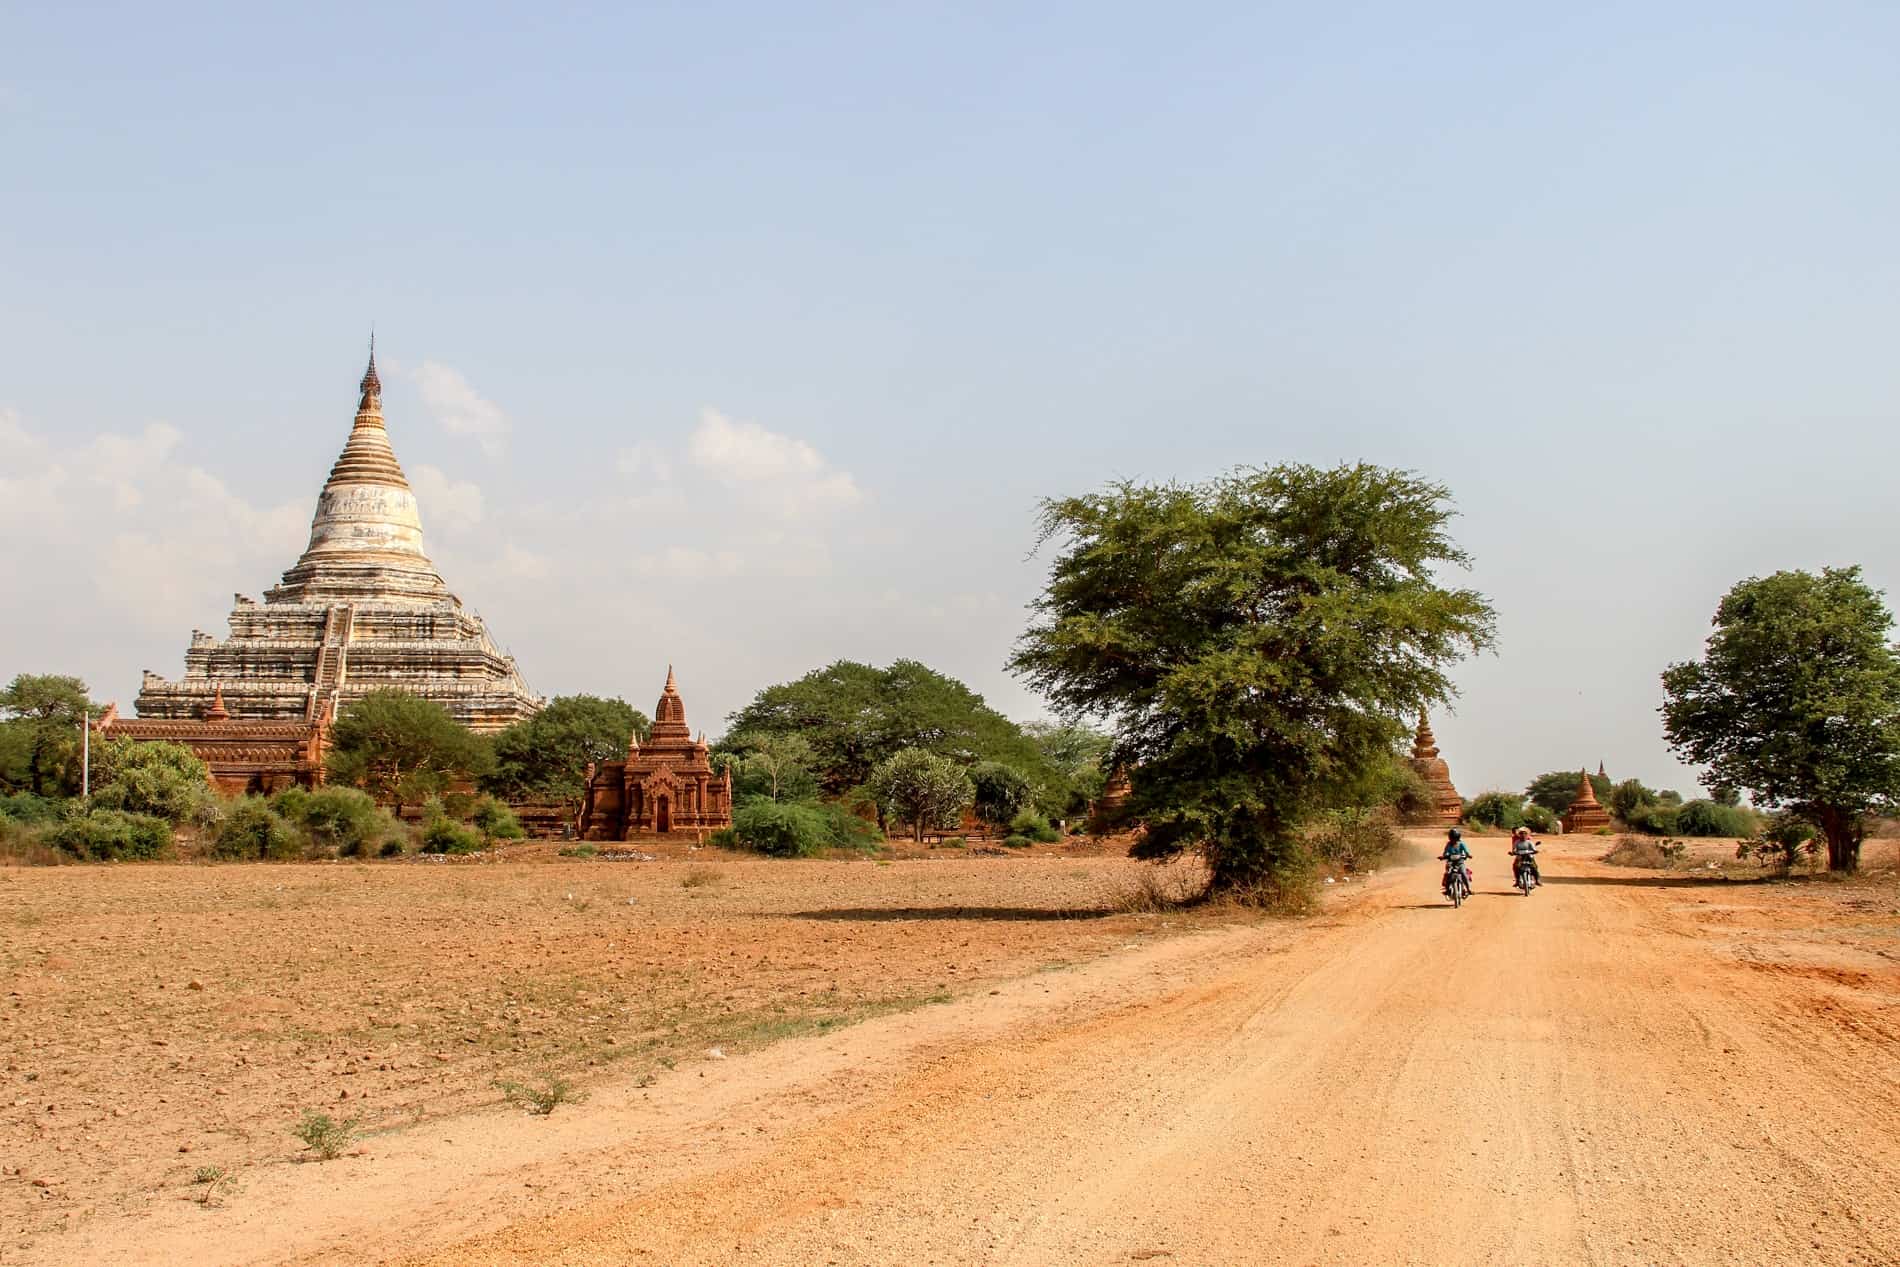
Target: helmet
<point>1454,834</point>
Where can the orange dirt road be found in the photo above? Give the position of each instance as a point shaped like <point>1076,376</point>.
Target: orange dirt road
<point>1619,1069</point>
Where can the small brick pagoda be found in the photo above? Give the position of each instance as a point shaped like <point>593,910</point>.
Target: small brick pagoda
<point>665,785</point>
<point>1586,813</point>
<point>1111,808</point>
<point>363,609</point>
<point>1437,775</point>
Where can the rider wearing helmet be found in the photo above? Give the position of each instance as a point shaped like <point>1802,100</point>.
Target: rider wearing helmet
<point>1457,854</point>
<point>1524,855</point>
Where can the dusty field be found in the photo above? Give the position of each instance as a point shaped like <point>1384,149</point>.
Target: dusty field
<point>162,1019</point>
<point>1627,1067</point>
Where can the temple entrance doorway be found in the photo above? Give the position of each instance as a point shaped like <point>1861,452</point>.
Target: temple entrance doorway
<point>663,814</point>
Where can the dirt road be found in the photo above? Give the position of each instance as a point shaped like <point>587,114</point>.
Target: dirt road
<point>1618,1069</point>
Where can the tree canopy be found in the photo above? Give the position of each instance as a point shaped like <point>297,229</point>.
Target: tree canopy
<point>402,748</point>
<point>1555,791</point>
<point>545,757</point>
<point>39,738</point>
<point>1253,642</point>
<point>923,789</point>
<point>855,716</point>
<point>1796,700</point>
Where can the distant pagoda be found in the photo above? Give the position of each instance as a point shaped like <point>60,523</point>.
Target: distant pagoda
<point>665,785</point>
<point>1586,813</point>
<point>1449,806</point>
<point>363,609</point>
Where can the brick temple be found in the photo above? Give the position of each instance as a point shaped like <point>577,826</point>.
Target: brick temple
<point>362,609</point>
<point>665,785</point>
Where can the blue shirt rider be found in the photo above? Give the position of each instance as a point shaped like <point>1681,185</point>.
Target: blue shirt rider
<point>1457,853</point>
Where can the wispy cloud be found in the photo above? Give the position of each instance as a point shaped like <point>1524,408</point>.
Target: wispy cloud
<point>461,409</point>
<point>780,470</point>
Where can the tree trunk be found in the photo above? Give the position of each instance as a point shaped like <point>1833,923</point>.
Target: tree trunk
<point>1843,832</point>
<point>918,830</point>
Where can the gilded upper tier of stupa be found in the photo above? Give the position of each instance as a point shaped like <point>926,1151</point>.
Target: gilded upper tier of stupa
<point>362,609</point>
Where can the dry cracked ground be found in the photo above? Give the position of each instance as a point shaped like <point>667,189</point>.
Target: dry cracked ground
<point>969,1061</point>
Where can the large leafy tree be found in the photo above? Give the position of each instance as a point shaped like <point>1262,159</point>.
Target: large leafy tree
<point>402,748</point>
<point>1555,791</point>
<point>922,789</point>
<point>1256,643</point>
<point>545,757</point>
<point>1797,700</point>
<point>40,739</point>
<point>855,716</point>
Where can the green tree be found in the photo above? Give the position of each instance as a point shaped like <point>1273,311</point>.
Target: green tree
<point>1001,792</point>
<point>1797,700</point>
<point>855,716</point>
<point>402,748</point>
<point>776,766</point>
<point>545,757</point>
<point>922,789</point>
<point>1555,791</point>
<point>1077,756</point>
<point>166,780</point>
<point>39,740</point>
<point>1256,642</point>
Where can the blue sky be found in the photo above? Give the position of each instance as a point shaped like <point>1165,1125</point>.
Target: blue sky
<point>747,337</point>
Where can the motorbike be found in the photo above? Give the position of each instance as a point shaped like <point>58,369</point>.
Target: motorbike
<point>1458,884</point>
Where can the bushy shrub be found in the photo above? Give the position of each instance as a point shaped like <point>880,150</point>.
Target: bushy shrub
<point>781,830</point>
<point>495,820</point>
<point>1630,798</point>
<point>846,830</point>
<point>1014,842</point>
<point>1712,818</point>
<point>109,835</point>
<point>1537,818</point>
<point>252,829</point>
<point>164,780</point>
<point>1651,819</point>
<point>1780,840</point>
<point>1353,838</point>
<point>24,807</point>
<point>1634,851</point>
<point>391,848</point>
<point>444,835</point>
<point>1495,809</point>
<point>1035,827</point>
<point>339,818</point>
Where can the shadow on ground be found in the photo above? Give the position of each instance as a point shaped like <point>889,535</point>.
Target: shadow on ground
<point>884,914</point>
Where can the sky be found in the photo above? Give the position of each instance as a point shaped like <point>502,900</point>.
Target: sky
<point>747,337</point>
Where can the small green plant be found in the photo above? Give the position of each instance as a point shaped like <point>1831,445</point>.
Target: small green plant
<point>541,1099</point>
<point>1011,842</point>
<point>699,878</point>
<point>325,1136</point>
<point>953,842</point>
<point>579,851</point>
<point>392,848</point>
<point>212,1182</point>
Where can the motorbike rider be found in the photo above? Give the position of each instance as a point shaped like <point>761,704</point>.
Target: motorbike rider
<point>1524,855</point>
<point>1457,854</point>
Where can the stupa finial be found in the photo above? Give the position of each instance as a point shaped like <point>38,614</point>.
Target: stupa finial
<point>372,385</point>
